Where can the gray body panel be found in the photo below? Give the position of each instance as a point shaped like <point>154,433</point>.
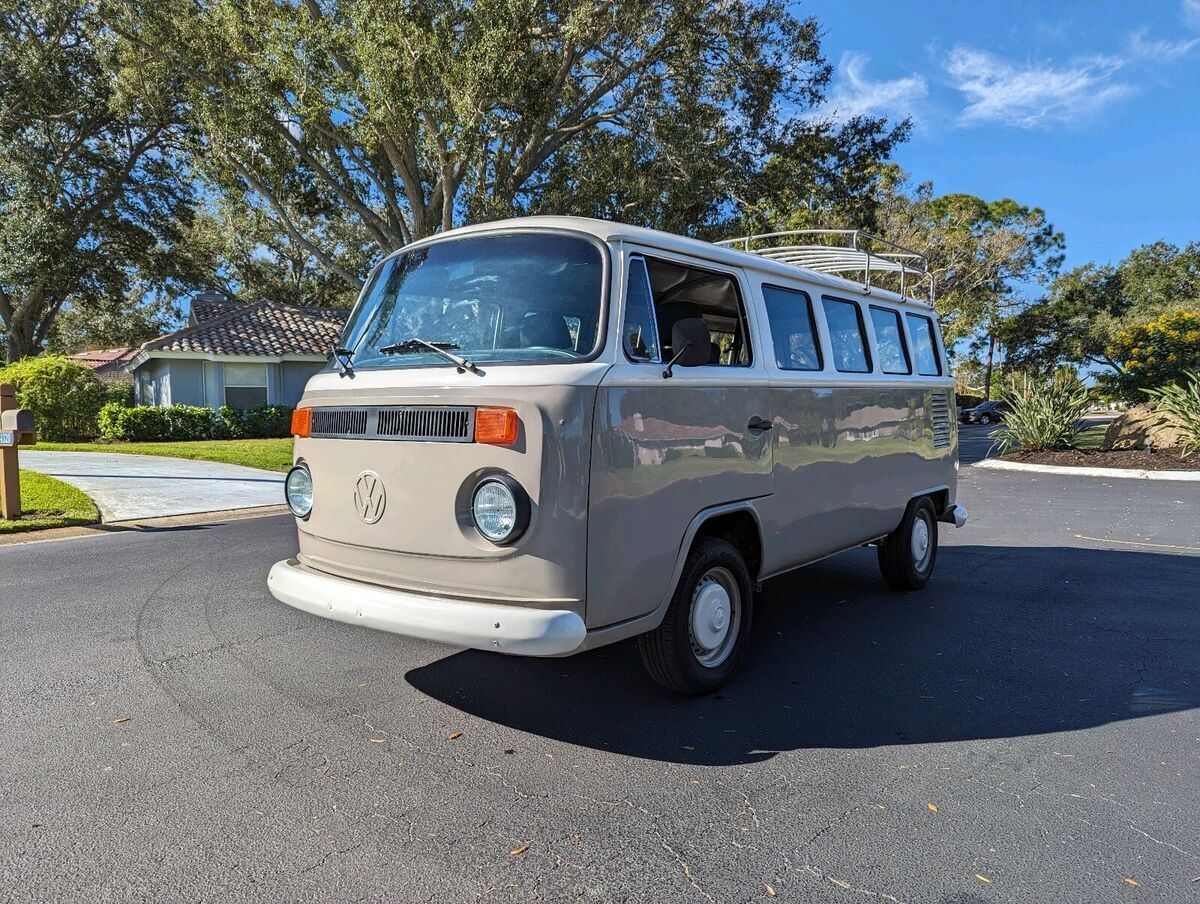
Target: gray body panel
<point>662,451</point>
<point>847,461</point>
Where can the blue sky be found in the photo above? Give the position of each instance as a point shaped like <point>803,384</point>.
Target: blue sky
<point>1090,110</point>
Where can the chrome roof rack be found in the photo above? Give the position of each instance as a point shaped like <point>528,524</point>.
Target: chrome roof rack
<point>842,251</point>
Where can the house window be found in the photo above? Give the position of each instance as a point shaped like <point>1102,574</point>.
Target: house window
<point>245,385</point>
<point>145,393</point>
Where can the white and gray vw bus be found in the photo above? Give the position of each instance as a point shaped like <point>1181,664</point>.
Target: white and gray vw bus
<point>543,435</point>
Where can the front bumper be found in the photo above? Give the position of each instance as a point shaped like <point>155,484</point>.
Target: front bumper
<point>483,626</point>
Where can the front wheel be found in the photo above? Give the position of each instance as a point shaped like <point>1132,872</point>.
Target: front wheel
<point>985,419</point>
<point>907,554</point>
<point>704,634</point>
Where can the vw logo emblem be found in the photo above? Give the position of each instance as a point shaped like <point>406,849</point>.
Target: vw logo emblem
<point>370,498</point>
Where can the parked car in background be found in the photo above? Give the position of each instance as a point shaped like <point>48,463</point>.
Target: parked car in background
<point>989,412</point>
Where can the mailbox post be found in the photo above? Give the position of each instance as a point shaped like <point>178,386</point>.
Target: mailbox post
<point>16,429</point>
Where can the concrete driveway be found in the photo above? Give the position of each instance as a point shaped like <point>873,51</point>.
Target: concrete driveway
<point>1023,730</point>
<point>132,487</point>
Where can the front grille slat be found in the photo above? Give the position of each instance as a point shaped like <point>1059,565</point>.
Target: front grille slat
<point>939,412</point>
<point>416,423</point>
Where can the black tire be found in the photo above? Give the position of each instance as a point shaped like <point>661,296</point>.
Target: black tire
<point>671,653</point>
<point>898,559</point>
<point>985,419</point>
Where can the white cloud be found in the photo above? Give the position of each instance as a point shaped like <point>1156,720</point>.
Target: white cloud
<point>1033,94</point>
<point>1143,49</point>
<point>1190,10</point>
<point>854,94</point>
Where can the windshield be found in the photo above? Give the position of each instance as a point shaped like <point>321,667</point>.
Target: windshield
<point>504,298</point>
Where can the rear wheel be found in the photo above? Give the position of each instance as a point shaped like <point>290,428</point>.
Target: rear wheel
<point>703,637</point>
<point>907,555</point>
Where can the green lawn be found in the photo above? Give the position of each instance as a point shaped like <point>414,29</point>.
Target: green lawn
<point>268,454</point>
<point>46,502</point>
<point>1092,438</point>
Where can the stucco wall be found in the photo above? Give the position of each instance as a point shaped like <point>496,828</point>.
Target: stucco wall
<point>295,375</point>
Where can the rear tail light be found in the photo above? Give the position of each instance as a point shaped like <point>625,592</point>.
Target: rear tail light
<point>496,426</point>
<point>302,422</point>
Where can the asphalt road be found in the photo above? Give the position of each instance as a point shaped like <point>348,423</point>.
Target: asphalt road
<point>1025,729</point>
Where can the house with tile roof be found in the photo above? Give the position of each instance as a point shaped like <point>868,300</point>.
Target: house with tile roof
<point>237,354</point>
<point>107,363</point>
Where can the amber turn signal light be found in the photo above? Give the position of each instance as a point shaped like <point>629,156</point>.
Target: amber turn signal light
<point>302,422</point>
<point>496,426</point>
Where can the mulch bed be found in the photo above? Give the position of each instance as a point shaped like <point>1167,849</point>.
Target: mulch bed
<point>1159,460</point>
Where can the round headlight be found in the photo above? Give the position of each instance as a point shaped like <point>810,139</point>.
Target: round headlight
<point>500,510</point>
<point>299,491</point>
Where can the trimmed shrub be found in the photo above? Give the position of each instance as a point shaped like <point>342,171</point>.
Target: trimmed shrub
<point>109,419</point>
<point>65,397</point>
<point>262,422</point>
<point>144,424</point>
<point>1179,406</point>
<point>1044,415</point>
<point>190,422</point>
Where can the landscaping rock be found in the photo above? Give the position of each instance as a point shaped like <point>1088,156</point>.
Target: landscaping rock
<point>1139,426</point>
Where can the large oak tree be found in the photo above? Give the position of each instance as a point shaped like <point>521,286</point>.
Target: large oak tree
<point>415,117</point>
<point>91,189</point>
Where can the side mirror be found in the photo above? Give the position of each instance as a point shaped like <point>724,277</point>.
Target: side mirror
<point>690,342</point>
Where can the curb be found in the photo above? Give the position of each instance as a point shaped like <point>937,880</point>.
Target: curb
<point>1126,473</point>
<point>164,523</point>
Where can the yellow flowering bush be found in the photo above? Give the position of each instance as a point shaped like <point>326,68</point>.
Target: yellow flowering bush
<point>1155,353</point>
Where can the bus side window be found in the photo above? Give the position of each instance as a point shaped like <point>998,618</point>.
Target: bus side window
<point>889,339</point>
<point>847,336</point>
<point>639,332</point>
<point>793,331</point>
<point>924,346</point>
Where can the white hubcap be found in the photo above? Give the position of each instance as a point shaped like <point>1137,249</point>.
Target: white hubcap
<point>710,616</point>
<point>920,543</point>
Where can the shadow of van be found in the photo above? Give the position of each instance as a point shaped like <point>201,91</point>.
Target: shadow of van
<point>1006,642</point>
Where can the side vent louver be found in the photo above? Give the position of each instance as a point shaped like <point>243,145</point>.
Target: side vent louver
<point>432,423</point>
<point>939,410</point>
<point>339,422</point>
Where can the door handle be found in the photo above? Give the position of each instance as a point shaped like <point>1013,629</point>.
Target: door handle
<point>758,424</point>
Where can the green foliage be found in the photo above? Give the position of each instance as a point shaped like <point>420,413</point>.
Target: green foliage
<point>180,423</point>
<point>1179,405</point>
<point>146,422</point>
<point>965,400</point>
<point>1045,414</point>
<point>256,423</point>
<point>1086,310</point>
<point>64,397</point>
<point>92,191</point>
<point>1154,354</point>
<point>336,123</point>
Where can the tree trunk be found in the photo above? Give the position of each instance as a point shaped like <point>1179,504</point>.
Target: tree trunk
<point>987,379</point>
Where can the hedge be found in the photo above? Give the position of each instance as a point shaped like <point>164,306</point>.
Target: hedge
<point>188,422</point>
<point>65,397</point>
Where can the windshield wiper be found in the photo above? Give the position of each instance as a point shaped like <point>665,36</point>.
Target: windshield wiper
<point>345,360</point>
<point>442,348</point>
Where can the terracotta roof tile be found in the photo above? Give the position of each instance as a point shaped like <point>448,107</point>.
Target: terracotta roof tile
<point>262,329</point>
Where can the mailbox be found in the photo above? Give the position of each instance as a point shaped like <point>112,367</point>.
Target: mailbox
<point>16,428</point>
